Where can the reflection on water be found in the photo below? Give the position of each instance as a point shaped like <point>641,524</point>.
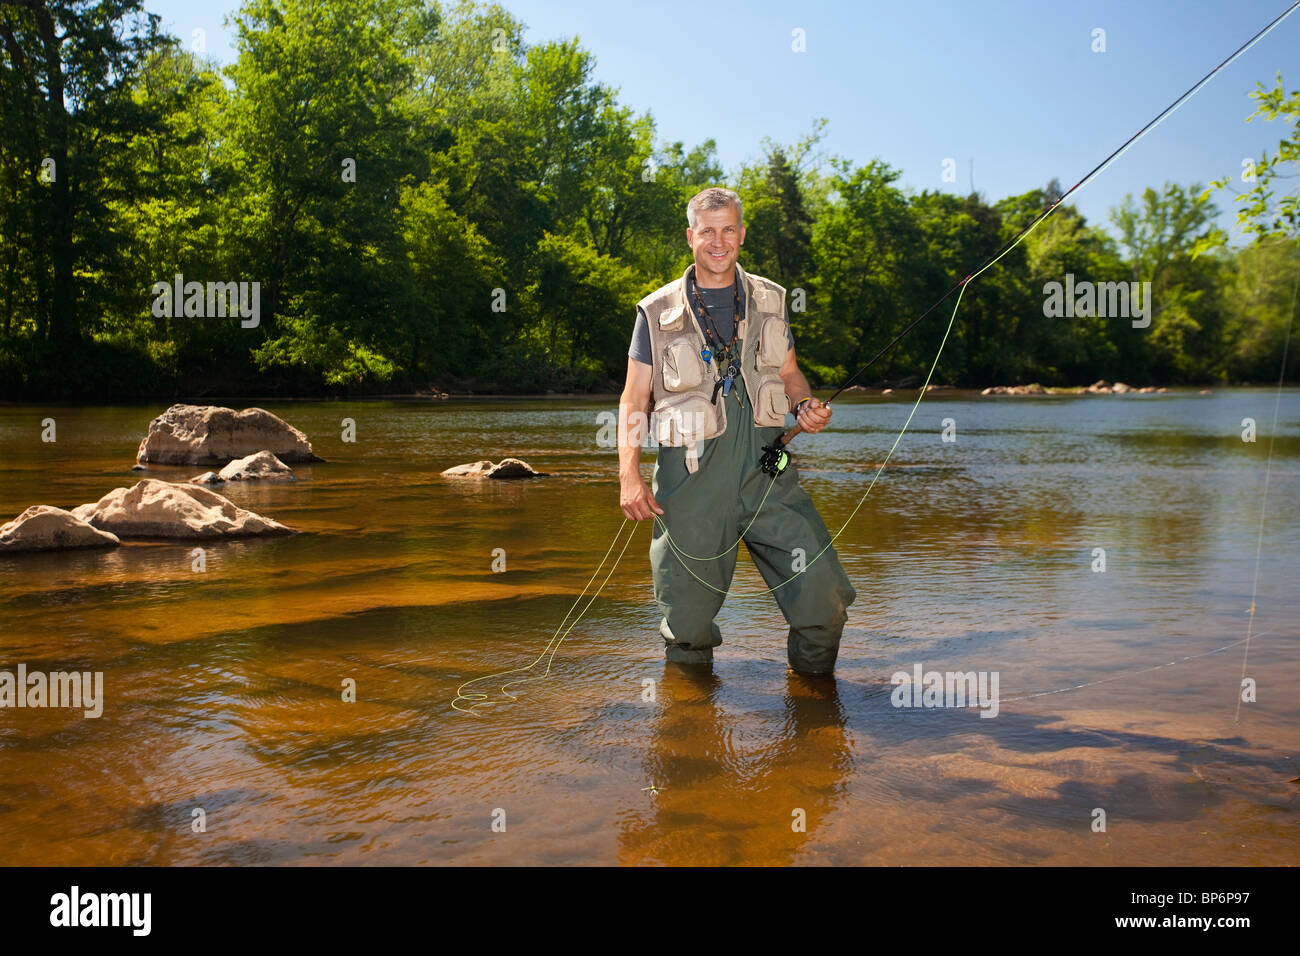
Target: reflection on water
<point>727,793</point>
<point>224,688</point>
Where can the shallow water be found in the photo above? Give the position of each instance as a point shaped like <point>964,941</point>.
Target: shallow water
<point>1119,689</point>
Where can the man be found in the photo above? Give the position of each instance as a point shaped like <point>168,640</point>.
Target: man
<point>712,363</point>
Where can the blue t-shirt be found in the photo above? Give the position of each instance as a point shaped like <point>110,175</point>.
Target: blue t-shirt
<point>721,304</point>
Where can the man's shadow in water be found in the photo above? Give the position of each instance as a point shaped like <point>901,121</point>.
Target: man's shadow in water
<point>721,802</point>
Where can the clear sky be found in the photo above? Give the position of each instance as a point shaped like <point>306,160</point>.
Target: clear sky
<point>1010,86</point>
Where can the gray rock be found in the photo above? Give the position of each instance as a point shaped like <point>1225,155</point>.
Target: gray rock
<point>162,509</point>
<point>195,434</point>
<point>506,468</point>
<point>46,528</point>
<point>261,465</point>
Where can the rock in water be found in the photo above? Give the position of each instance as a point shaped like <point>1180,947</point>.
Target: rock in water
<point>507,468</point>
<point>514,468</point>
<point>192,434</point>
<point>261,465</point>
<point>46,528</point>
<point>161,509</point>
<point>476,469</point>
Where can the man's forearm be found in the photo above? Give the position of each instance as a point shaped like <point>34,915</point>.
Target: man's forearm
<point>796,387</point>
<point>631,421</point>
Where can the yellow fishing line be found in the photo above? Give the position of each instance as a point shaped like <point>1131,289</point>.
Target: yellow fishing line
<point>480,698</point>
<point>677,550</point>
<point>476,698</point>
<point>553,644</point>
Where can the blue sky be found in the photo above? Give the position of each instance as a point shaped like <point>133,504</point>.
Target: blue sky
<point>1012,86</point>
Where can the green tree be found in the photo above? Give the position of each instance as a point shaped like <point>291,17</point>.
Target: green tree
<point>1062,351</point>
<point>1158,238</point>
<point>66,74</point>
<point>867,250</point>
<point>1259,214</point>
<point>778,239</point>
<point>317,138</point>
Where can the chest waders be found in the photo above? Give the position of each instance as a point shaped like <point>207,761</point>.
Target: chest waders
<point>707,509</point>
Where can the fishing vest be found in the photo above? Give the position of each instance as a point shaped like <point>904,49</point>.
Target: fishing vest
<point>681,384</point>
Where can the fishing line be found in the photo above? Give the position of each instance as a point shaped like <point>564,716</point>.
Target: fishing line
<point>1263,503</point>
<point>1132,140</point>
<point>553,644</point>
<point>672,544</point>
<point>677,550</point>
<point>1106,680</point>
<point>915,405</point>
<point>959,288</point>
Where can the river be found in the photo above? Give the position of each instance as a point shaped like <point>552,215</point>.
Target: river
<point>1120,736</point>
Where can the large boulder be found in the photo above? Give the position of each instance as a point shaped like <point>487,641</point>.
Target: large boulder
<point>161,509</point>
<point>46,528</point>
<point>194,434</point>
<point>261,465</point>
<point>506,468</point>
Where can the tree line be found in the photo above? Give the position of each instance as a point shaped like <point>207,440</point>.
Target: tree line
<point>425,201</point>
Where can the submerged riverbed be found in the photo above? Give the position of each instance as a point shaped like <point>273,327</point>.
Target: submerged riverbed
<point>1119,689</point>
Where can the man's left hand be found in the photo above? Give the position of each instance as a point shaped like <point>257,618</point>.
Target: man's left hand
<point>813,416</point>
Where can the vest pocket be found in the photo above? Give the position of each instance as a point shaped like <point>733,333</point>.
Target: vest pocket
<point>685,419</point>
<point>772,342</point>
<point>771,404</point>
<point>673,320</point>
<point>683,367</point>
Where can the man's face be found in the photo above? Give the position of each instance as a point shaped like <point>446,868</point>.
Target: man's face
<point>715,240</point>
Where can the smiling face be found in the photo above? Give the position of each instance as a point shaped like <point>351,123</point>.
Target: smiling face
<point>716,240</point>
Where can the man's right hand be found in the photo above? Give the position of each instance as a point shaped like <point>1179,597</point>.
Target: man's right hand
<point>636,500</point>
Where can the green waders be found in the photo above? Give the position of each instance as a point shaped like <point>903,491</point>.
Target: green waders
<point>706,511</point>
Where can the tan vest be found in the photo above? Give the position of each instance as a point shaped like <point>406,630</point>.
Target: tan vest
<point>681,385</point>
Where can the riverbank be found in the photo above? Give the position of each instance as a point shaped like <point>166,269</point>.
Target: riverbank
<point>245,401</point>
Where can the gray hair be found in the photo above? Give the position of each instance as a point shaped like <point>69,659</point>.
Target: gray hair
<point>712,198</point>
